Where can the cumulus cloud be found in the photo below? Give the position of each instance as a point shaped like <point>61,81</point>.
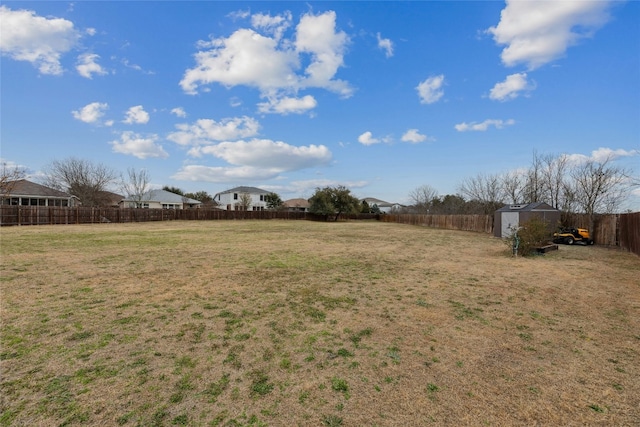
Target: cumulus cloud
<point>179,112</point>
<point>25,36</point>
<point>288,105</point>
<point>262,58</point>
<point>91,113</point>
<point>602,154</point>
<point>511,88</point>
<point>538,32</point>
<point>481,127</point>
<point>219,174</point>
<point>275,25</point>
<point>136,145</point>
<point>367,139</point>
<point>136,115</point>
<point>208,131</point>
<point>87,65</point>
<point>430,90</point>
<point>256,159</point>
<point>268,154</point>
<point>386,45</point>
<point>413,136</point>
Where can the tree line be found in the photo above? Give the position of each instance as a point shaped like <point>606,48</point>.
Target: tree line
<point>590,186</point>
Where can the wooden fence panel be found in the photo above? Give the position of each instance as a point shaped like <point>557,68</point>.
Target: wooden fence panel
<point>629,232</point>
<point>477,223</point>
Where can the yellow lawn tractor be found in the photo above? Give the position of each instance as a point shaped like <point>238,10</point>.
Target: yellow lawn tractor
<point>570,235</point>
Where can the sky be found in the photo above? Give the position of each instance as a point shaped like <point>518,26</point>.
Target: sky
<point>381,97</point>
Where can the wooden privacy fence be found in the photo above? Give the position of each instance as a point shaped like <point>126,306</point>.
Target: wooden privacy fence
<point>479,223</point>
<point>617,230</point>
<point>43,215</point>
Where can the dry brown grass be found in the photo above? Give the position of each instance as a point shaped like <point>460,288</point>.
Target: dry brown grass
<point>303,323</point>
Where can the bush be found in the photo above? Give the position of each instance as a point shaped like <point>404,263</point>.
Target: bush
<point>529,236</point>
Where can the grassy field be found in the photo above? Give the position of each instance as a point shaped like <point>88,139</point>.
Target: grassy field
<point>283,323</point>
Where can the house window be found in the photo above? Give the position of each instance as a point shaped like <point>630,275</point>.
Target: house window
<point>168,206</point>
<point>235,196</point>
<point>262,197</point>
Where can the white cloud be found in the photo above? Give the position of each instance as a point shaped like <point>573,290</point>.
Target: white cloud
<point>600,155</point>
<point>430,90</point>
<point>367,139</point>
<point>271,63</point>
<point>275,25</point>
<point>511,87</point>
<point>386,45</point>
<point>244,58</point>
<point>134,144</point>
<point>90,113</point>
<point>287,105</point>
<point>208,131</point>
<point>179,112</point>
<point>257,159</point>
<point>316,34</point>
<point>223,174</point>
<point>24,36</point>
<point>136,115</point>
<point>481,127</point>
<point>87,65</point>
<point>413,136</point>
<point>538,32</point>
<point>270,155</point>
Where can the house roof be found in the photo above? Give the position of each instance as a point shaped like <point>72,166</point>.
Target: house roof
<point>296,203</point>
<point>164,196</point>
<point>24,188</point>
<point>378,202</point>
<point>242,189</point>
<point>530,207</point>
<point>113,198</point>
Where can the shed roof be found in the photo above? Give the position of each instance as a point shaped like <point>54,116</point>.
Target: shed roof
<point>530,207</point>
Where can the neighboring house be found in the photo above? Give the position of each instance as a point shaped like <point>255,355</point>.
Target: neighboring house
<point>27,193</point>
<point>161,199</point>
<point>508,218</point>
<point>384,207</point>
<point>110,199</point>
<point>296,205</point>
<point>235,198</point>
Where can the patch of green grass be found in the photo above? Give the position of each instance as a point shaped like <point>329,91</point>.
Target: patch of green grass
<point>260,385</point>
<point>215,389</point>
<point>339,384</point>
<point>332,421</point>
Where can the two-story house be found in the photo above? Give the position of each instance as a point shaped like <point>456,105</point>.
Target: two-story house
<point>242,199</point>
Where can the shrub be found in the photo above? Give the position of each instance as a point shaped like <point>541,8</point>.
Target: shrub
<point>530,235</point>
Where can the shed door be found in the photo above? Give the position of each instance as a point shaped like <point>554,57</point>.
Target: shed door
<point>509,221</point>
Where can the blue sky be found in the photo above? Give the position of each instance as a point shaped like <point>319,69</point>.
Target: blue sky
<point>382,97</point>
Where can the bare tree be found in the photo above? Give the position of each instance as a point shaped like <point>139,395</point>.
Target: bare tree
<point>554,180</point>
<point>484,189</point>
<point>86,180</point>
<point>533,191</point>
<point>9,175</point>
<point>599,187</point>
<point>244,201</point>
<point>135,185</point>
<point>422,198</point>
<point>513,186</point>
